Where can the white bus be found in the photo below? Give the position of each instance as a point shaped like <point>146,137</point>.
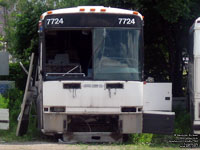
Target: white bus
<point>90,86</point>
<point>194,75</point>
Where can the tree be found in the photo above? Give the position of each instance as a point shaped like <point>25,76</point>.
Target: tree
<point>166,38</point>
<point>165,31</point>
<point>21,32</point>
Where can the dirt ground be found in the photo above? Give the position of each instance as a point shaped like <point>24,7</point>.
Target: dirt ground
<point>58,146</point>
<point>43,146</point>
<point>61,146</point>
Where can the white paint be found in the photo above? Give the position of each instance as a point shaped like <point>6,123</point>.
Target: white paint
<point>4,116</point>
<point>194,73</point>
<point>154,97</point>
<point>196,42</point>
<point>196,109</point>
<point>196,24</point>
<point>196,123</point>
<point>159,113</point>
<point>93,98</point>
<point>109,10</point>
<point>197,76</point>
<point>96,100</point>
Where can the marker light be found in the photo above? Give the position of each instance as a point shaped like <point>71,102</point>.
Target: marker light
<point>41,17</point>
<point>103,10</point>
<point>82,9</point>
<point>135,13</point>
<point>40,23</point>
<point>49,12</point>
<point>92,9</point>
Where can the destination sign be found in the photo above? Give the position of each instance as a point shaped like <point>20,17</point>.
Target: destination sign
<point>92,20</point>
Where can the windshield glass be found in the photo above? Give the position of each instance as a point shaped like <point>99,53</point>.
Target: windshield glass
<point>117,54</point>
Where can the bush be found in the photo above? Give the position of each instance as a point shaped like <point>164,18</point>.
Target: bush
<point>144,138</point>
<point>14,97</point>
<point>182,126</point>
<point>16,74</point>
<point>3,102</point>
<point>182,122</point>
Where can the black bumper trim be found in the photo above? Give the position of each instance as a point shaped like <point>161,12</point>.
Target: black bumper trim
<point>158,123</point>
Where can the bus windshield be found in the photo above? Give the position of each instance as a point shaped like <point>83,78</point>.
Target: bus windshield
<point>94,54</point>
<point>117,54</point>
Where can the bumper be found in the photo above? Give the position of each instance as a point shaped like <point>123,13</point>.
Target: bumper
<point>124,123</point>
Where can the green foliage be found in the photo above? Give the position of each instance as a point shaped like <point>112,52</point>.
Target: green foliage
<point>3,3</point>
<point>15,97</point>
<point>3,102</point>
<point>1,42</point>
<point>182,127</point>
<point>144,139</point>
<point>21,32</point>
<point>173,10</point>
<point>16,74</point>
<point>182,123</point>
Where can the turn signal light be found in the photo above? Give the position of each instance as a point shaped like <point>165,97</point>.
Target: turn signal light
<point>103,10</point>
<point>82,9</point>
<point>92,9</point>
<point>49,12</point>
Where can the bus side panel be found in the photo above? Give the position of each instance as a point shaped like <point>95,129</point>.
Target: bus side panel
<point>197,77</point>
<point>197,109</point>
<point>157,97</point>
<point>196,42</point>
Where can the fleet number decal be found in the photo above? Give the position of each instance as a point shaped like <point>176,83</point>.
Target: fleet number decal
<point>126,21</point>
<point>55,21</point>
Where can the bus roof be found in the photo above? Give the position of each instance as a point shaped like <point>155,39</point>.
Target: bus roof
<point>197,23</point>
<point>91,9</point>
<point>195,26</point>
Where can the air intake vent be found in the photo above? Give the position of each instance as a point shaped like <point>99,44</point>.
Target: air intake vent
<point>114,86</point>
<point>71,86</point>
<point>57,109</point>
<point>129,109</point>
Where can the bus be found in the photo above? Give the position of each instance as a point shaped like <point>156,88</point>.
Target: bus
<point>194,75</point>
<point>87,79</point>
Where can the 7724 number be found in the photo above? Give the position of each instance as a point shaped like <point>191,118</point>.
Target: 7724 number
<point>126,21</point>
<point>55,21</point>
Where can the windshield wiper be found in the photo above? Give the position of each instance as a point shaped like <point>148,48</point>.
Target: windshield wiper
<point>69,72</point>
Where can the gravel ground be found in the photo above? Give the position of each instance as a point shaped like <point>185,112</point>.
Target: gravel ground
<point>58,146</point>
<point>39,146</point>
